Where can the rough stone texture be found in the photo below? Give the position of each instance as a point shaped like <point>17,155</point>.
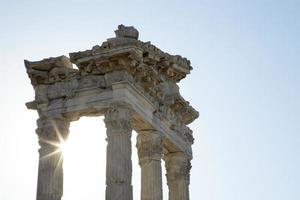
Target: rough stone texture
<point>127,32</point>
<point>149,144</point>
<point>49,70</point>
<point>134,84</point>
<point>178,175</point>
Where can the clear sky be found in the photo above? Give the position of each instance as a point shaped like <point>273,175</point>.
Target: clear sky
<point>245,83</point>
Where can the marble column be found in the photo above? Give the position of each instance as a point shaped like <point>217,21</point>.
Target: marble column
<point>118,158</point>
<point>51,131</point>
<point>178,167</point>
<point>149,144</point>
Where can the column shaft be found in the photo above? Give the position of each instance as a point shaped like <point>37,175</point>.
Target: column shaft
<point>118,159</point>
<point>149,144</point>
<point>178,175</point>
<point>51,131</point>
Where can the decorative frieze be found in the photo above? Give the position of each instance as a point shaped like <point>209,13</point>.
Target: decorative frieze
<point>154,70</point>
<point>106,66</point>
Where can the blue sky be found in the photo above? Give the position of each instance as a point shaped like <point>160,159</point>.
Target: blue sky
<point>245,83</point>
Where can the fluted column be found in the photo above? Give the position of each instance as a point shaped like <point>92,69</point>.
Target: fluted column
<point>118,158</point>
<point>51,131</point>
<point>178,167</point>
<point>149,144</point>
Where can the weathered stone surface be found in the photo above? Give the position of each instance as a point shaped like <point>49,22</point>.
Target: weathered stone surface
<point>118,160</point>
<point>178,167</point>
<point>132,83</point>
<point>127,32</point>
<point>49,70</point>
<point>149,144</point>
<point>52,130</point>
<point>170,67</point>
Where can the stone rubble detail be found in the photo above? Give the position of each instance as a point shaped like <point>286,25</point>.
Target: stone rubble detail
<point>134,85</point>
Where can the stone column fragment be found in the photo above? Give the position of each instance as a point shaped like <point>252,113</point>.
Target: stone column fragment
<point>51,132</point>
<point>118,159</point>
<point>178,167</point>
<point>149,144</point>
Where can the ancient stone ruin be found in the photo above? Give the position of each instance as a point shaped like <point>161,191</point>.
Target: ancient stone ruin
<point>134,85</point>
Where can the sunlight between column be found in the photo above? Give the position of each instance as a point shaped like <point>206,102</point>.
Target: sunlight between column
<point>85,159</point>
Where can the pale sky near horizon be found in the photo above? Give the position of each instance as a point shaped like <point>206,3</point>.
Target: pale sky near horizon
<point>245,83</point>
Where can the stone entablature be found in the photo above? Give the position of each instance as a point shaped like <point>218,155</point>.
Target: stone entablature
<point>124,75</point>
<point>119,59</point>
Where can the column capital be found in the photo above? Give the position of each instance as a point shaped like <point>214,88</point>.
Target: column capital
<point>51,131</point>
<point>149,144</point>
<point>118,120</point>
<point>178,166</point>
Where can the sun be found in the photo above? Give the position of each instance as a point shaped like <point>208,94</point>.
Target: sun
<point>84,160</point>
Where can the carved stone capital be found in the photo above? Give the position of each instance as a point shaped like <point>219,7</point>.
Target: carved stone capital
<point>178,167</point>
<point>51,131</point>
<point>118,121</point>
<point>149,144</point>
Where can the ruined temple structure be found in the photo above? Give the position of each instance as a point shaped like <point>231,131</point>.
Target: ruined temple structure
<point>134,85</point>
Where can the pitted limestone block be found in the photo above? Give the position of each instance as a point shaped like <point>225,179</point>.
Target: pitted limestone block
<point>92,81</point>
<point>127,32</point>
<point>50,70</point>
<point>49,63</point>
<point>117,76</point>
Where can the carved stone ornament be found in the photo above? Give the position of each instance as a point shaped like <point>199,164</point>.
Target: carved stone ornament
<point>149,144</point>
<point>178,166</point>
<point>118,120</point>
<point>51,130</point>
<point>134,85</point>
<point>123,58</point>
